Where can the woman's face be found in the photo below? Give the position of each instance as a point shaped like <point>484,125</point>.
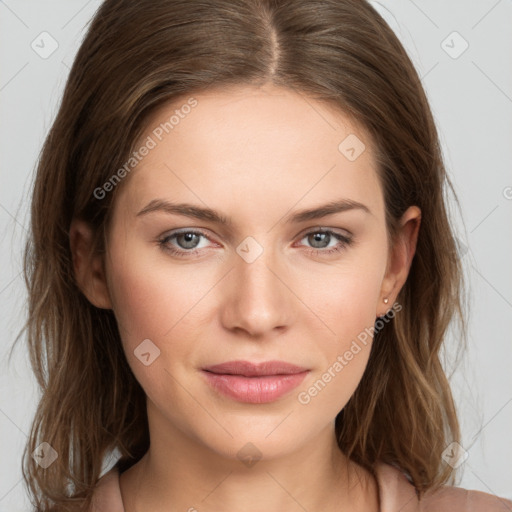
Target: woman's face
<point>257,280</point>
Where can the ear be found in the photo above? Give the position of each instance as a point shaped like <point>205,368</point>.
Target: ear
<point>400,256</point>
<point>88,267</point>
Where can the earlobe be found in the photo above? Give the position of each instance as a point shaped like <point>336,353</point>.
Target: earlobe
<point>88,267</point>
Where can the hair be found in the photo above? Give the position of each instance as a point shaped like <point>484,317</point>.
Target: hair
<point>138,56</point>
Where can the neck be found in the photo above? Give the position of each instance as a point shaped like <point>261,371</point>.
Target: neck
<point>178,473</point>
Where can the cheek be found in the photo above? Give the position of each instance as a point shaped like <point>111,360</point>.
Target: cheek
<point>139,303</point>
<point>165,304</point>
<point>345,297</point>
<point>346,302</point>
<point>151,295</point>
<point>151,303</point>
<point>344,359</point>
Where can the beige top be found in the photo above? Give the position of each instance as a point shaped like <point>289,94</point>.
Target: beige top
<point>396,494</point>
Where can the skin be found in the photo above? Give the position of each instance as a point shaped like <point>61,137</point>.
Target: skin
<point>257,155</point>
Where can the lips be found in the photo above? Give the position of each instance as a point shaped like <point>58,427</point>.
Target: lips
<point>248,369</point>
<point>254,383</point>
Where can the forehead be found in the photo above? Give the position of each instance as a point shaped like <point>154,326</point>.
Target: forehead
<point>256,144</point>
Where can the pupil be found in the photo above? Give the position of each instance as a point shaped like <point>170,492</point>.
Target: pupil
<point>188,240</point>
<point>319,237</point>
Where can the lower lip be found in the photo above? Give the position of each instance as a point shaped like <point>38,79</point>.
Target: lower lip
<point>254,390</point>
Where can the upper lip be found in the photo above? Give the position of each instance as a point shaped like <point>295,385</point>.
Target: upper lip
<point>248,369</point>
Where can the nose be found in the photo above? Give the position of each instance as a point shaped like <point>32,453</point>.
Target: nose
<point>256,297</point>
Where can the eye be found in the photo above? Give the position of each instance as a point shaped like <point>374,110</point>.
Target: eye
<point>321,238</point>
<point>187,241</point>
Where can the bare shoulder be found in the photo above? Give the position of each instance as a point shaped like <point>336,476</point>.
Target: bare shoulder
<point>398,494</point>
<point>457,499</point>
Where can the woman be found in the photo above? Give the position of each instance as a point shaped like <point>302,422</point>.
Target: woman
<point>241,269</point>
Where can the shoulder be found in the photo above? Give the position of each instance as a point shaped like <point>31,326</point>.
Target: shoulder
<point>107,493</point>
<point>398,494</point>
<point>455,499</point>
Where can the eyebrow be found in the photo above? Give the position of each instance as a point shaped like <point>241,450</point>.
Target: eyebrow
<point>198,212</point>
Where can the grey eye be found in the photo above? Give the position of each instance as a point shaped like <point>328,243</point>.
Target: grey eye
<point>190,240</point>
<point>319,238</point>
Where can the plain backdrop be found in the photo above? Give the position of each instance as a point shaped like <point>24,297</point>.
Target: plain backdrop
<point>462,52</point>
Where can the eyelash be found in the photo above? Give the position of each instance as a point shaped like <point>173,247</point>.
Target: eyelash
<point>344,242</point>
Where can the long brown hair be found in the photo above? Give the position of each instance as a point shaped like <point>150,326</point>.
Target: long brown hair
<point>135,57</point>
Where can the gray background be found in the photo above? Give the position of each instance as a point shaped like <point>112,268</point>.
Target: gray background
<point>471,96</point>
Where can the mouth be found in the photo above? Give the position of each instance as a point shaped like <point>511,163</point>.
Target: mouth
<point>248,369</point>
<point>248,382</point>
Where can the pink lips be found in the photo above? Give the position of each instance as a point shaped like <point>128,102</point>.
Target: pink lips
<point>254,383</point>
